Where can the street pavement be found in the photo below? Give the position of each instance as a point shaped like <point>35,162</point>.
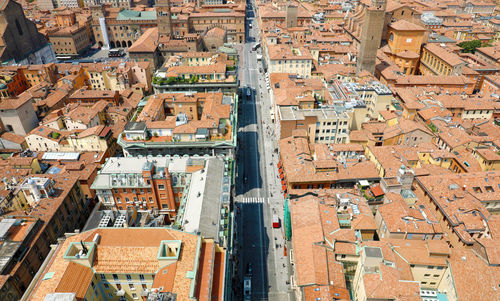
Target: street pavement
<point>258,188</point>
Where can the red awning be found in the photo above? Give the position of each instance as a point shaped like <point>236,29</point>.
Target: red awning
<point>283,182</point>
<point>282,176</point>
<point>279,164</point>
<point>283,187</point>
<point>280,170</point>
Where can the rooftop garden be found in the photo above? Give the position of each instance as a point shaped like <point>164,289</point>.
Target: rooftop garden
<point>54,135</point>
<point>171,80</point>
<point>432,127</point>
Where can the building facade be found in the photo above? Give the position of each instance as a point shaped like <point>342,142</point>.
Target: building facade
<point>145,183</point>
<point>70,41</point>
<point>18,115</point>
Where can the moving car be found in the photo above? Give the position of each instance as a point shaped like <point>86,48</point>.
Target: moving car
<point>247,287</point>
<point>276,221</point>
<point>249,269</point>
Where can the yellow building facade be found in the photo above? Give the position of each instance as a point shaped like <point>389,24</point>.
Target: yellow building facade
<point>404,41</point>
<point>487,159</point>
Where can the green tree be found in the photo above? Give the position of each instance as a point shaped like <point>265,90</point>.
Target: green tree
<point>470,46</point>
<point>170,80</point>
<point>193,79</point>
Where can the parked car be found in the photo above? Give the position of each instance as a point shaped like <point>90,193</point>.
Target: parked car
<point>116,53</point>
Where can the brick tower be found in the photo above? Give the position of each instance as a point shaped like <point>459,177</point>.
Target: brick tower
<point>164,18</point>
<point>371,35</point>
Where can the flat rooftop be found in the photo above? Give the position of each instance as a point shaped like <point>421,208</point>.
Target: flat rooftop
<point>293,113</point>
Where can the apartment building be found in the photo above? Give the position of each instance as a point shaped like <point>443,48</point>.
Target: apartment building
<point>36,74</point>
<point>374,95</point>
<point>199,194</point>
<point>482,275</point>
<point>321,125</point>
<point>70,3</point>
<point>391,161</point>
<point>398,220</point>
<point>449,195</point>
<point>77,117</point>
<point>12,82</point>
<point>112,3</point>
<point>83,165</point>
<point>285,58</point>
<point>98,138</point>
<point>290,90</point>
<point>427,260</point>
<point>11,141</point>
<point>88,97</point>
<point>117,76</point>
<point>406,268</point>
<point>436,60</point>
<point>12,199</point>
<point>313,167</point>
<point>331,225</point>
<point>466,108</point>
<point>197,71</point>
<point>18,115</point>
<point>132,263</point>
<point>450,83</point>
<point>408,133</point>
<point>144,183</point>
<point>57,206</point>
<point>491,85</point>
<point>487,158</point>
<point>11,244</point>
<point>188,123</point>
<point>377,275</point>
<point>490,54</point>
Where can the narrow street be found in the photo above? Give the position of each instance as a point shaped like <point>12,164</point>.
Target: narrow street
<point>260,247</point>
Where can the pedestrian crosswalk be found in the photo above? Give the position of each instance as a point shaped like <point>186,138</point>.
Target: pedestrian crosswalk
<point>254,200</point>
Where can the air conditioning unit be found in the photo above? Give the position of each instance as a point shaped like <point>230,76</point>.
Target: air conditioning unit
<point>428,293</point>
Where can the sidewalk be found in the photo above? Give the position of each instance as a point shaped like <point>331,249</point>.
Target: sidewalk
<point>277,201</point>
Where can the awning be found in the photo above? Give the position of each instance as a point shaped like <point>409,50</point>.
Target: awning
<point>120,293</point>
<point>364,183</point>
<point>283,182</point>
<point>282,176</point>
<point>283,187</point>
<point>279,164</point>
<point>280,170</point>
